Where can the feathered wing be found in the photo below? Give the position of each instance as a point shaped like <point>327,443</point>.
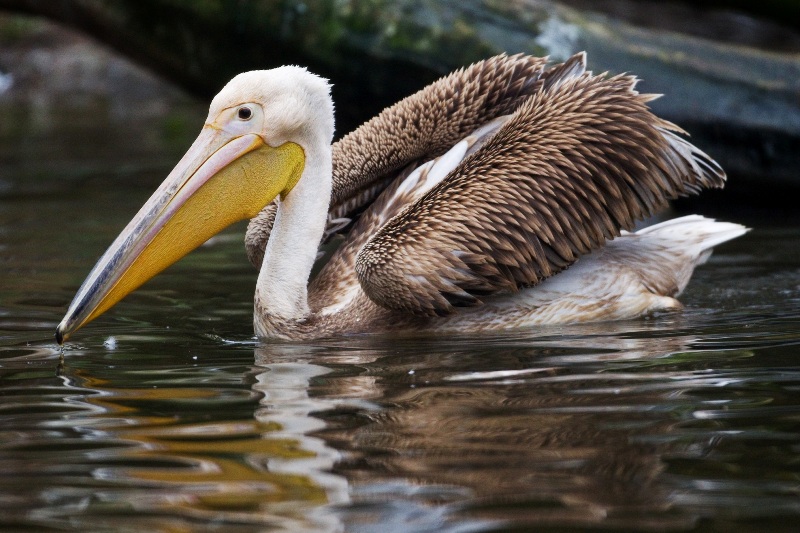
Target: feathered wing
<point>579,160</point>
<point>418,128</point>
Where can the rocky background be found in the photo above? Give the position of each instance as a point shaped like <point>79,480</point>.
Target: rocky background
<point>730,71</point>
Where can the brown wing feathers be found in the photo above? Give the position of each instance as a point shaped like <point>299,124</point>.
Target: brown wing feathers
<point>422,126</point>
<point>581,158</point>
<point>429,122</point>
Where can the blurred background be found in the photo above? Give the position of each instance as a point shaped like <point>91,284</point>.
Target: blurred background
<point>108,70</point>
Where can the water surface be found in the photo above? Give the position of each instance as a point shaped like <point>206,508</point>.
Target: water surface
<point>167,415</point>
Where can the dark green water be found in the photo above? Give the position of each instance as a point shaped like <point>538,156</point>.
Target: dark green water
<point>167,416</point>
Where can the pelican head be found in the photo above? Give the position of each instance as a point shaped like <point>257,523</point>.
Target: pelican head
<point>252,149</point>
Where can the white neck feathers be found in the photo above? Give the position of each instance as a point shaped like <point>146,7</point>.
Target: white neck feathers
<point>297,107</point>
<point>282,287</point>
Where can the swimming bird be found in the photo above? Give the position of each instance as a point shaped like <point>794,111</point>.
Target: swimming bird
<point>500,196</point>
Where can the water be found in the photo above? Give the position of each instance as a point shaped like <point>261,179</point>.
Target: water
<point>166,415</point>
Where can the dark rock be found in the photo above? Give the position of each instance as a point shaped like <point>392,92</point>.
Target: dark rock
<point>737,93</point>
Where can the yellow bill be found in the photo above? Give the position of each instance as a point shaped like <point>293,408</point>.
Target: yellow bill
<point>222,179</point>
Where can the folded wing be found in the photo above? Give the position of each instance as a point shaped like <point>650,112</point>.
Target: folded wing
<point>581,159</point>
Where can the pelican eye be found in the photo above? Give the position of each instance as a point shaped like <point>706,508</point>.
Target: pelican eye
<point>245,113</point>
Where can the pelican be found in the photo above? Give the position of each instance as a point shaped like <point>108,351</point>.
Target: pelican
<point>500,196</point>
